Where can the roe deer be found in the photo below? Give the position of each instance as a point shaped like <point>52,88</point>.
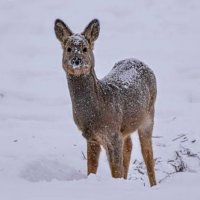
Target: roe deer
<point>107,111</point>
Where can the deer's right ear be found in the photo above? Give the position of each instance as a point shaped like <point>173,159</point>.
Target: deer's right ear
<point>62,31</point>
<point>91,31</point>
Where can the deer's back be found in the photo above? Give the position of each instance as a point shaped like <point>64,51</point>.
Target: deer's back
<point>132,88</point>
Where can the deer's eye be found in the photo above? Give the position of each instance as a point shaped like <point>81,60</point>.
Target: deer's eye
<point>69,49</point>
<point>84,49</point>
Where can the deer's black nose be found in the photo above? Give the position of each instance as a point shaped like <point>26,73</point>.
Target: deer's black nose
<point>76,61</point>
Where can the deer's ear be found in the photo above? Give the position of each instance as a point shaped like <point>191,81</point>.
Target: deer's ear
<point>62,31</point>
<point>91,31</point>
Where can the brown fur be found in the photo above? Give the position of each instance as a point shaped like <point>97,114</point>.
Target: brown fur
<point>107,111</point>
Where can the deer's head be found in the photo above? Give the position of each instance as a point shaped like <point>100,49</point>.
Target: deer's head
<point>78,58</point>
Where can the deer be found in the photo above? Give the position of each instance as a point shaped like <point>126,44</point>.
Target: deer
<point>108,110</point>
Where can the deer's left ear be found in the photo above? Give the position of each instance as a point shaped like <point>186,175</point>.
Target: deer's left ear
<point>62,31</point>
<point>91,31</point>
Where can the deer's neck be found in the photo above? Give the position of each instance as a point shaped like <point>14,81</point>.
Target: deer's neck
<point>85,95</point>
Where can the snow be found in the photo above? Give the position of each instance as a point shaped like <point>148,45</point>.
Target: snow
<point>77,39</point>
<point>128,72</point>
<point>42,151</point>
<point>124,77</point>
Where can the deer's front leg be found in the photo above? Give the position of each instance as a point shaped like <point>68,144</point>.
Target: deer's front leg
<point>93,152</point>
<point>114,150</point>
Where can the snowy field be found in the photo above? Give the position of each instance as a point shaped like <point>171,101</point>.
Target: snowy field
<point>42,153</point>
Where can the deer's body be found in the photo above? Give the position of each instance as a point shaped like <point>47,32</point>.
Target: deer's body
<point>107,111</point>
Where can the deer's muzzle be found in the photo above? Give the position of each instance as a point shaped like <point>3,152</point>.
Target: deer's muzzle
<point>76,62</point>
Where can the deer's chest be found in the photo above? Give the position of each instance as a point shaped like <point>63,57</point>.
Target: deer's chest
<point>91,120</point>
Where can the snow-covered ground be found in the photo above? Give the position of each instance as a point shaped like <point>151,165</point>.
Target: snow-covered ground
<point>42,153</point>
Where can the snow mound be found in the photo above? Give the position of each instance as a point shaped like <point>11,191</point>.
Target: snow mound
<point>48,170</point>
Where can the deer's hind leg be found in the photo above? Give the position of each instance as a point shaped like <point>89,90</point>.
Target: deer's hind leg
<point>93,152</point>
<point>145,136</point>
<point>127,148</point>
